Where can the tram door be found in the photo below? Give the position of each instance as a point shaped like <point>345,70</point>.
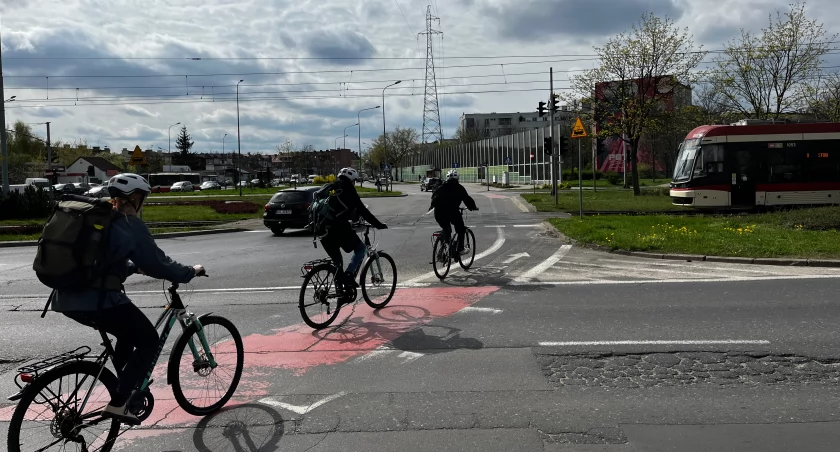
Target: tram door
<point>742,192</point>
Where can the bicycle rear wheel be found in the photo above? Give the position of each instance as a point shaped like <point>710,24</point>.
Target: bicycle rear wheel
<point>319,307</point>
<point>53,404</point>
<point>466,260</point>
<point>441,260</point>
<point>382,279</point>
<point>214,385</point>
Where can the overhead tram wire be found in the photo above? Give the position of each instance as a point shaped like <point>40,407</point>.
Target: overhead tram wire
<point>371,58</point>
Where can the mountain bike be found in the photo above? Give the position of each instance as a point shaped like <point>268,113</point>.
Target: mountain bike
<point>379,274</point>
<point>445,250</point>
<point>89,385</point>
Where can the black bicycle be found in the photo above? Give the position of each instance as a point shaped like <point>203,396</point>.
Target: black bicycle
<point>88,386</point>
<point>445,250</point>
<point>319,307</point>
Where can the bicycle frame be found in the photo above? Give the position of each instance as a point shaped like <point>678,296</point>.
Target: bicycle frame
<point>175,311</point>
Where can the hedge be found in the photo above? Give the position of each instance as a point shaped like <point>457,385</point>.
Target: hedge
<point>32,203</point>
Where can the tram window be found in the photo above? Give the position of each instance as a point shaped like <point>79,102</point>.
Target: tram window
<point>822,164</point>
<point>786,165</point>
<point>709,160</point>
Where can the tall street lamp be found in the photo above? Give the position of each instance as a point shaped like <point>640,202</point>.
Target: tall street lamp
<point>238,141</point>
<point>344,146</point>
<point>359,121</point>
<point>170,141</point>
<point>384,134</point>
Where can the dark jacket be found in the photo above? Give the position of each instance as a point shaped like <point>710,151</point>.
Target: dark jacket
<point>132,246</point>
<point>449,196</point>
<point>355,207</point>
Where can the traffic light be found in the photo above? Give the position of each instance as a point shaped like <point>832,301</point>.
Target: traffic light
<point>547,145</point>
<point>90,172</point>
<point>541,109</point>
<point>554,100</point>
<point>564,145</point>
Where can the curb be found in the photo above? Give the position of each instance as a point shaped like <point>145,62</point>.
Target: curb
<point>165,235</point>
<point>723,259</point>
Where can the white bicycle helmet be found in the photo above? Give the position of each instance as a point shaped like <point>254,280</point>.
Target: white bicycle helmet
<point>349,173</point>
<point>126,184</point>
<point>452,174</point>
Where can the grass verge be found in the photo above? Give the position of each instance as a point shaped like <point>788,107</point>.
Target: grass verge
<point>23,237</point>
<point>605,200</point>
<point>802,233</point>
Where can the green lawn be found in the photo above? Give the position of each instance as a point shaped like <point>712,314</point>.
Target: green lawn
<point>18,238</point>
<point>803,233</point>
<point>192,213</point>
<point>603,183</point>
<point>606,200</point>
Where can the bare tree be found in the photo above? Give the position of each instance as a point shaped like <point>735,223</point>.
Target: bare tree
<point>467,135</point>
<point>762,75</point>
<point>640,72</point>
<point>822,97</point>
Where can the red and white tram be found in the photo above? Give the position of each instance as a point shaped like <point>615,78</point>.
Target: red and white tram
<point>758,163</point>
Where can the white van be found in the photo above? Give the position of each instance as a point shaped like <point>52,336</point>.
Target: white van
<point>312,178</point>
<point>38,182</point>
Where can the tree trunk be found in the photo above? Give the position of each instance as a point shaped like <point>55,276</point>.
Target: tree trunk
<point>634,167</point>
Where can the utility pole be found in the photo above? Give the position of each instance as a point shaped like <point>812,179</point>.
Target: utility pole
<point>3,150</point>
<point>49,155</point>
<point>555,156</point>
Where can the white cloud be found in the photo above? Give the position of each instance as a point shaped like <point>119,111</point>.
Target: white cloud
<point>127,100</point>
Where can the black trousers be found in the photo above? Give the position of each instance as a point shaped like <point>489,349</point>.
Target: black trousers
<point>444,219</point>
<point>137,343</point>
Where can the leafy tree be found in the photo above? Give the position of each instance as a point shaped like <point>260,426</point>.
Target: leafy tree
<point>764,75</point>
<point>183,143</point>
<point>639,71</point>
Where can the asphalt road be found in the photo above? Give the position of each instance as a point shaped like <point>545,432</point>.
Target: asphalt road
<point>541,346</point>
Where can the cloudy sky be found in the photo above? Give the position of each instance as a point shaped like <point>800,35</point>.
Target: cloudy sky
<point>119,72</point>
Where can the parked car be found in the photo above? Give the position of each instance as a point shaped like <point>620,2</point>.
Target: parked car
<point>97,192</point>
<point>288,208</point>
<point>81,187</point>
<point>430,184</point>
<point>65,189</point>
<point>183,186</point>
<point>210,185</point>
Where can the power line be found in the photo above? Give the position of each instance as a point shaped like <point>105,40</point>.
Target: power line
<point>373,58</point>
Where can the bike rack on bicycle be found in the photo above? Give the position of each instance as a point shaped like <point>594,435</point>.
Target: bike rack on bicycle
<point>30,372</point>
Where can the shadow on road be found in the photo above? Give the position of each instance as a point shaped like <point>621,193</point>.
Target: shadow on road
<point>488,276</point>
<point>404,327</point>
<point>247,428</point>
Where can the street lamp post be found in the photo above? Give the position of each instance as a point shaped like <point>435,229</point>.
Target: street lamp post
<point>170,141</point>
<point>344,146</point>
<point>238,141</point>
<point>359,121</point>
<point>384,133</point>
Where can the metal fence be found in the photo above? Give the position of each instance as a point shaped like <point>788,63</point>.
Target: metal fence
<point>521,154</point>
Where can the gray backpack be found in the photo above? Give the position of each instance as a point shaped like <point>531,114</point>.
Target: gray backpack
<point>72,250</point>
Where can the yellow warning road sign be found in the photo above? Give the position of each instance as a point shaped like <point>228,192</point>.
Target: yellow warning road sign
<point>578,131</point>
<point>137,157</point>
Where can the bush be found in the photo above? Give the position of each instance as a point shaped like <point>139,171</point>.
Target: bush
<point>613,177</point>
<point>321,180</point>
<point>572,174</point>
<point>32,203</point>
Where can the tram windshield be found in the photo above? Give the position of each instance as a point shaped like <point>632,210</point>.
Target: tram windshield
<point>685,160</point>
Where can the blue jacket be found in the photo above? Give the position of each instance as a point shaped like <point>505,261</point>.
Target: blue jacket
<point>132,246</point>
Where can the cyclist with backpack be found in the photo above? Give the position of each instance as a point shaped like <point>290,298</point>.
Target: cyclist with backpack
<point>446,200</point>
<point>332,211</point>
<point>91,291</point>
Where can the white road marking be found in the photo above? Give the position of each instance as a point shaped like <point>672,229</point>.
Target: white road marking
<point>519,202</point>
<point>478,309</point>
<point>301,409</point>
<point>544,265</point>
<point>372,355</point>
<point>526,225</point>
<point>500,241</point>
<point>495,226</point>
<point>261,230</point>
<point>595,282</point>
<point>514,257</point>
<point>409,356</point>
<point>676,342</point>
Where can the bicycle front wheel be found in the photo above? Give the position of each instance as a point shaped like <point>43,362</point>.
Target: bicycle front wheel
<point>441,259</point>
<point>466,260</point>
<point>210,387</point>
<point>378,287</point>
<point>319,305</point>
<point>50,415</point>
